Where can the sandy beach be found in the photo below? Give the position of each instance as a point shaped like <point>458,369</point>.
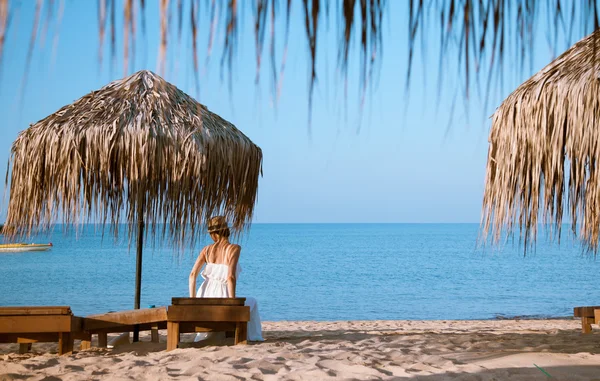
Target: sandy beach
<point>351,350</point>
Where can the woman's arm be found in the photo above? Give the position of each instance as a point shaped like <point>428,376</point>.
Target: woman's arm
<point>195,270</point>
<point>231,277</point>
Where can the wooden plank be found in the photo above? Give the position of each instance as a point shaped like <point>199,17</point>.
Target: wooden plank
<point>206,326</point>
<point>28,337</point>
<point>241,333</point>
<point>586,326</point>
<point>109,327</point>
<point>65,343</point>
<point>154,335</point>
<point>597,316</point>
<point>85,344</point>
<point>36,310</point>
<point>76,324</point>
<point>132,317</point>
<point>36,338</point>
<point>25,323</point>
<point>172,335</point>
<point>585,311</point>
<point>102,340</point>
<point>86,340</point>
<point>24,348</point>
<point>208,301</point>
<point>124,318</point>
<point>208,313</point>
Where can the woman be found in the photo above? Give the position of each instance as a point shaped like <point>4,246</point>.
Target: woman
<point>221,272</point>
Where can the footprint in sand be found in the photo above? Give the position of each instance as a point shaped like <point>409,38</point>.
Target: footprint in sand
<point>75,368</point>
<point>173,372</point>
<point>38,366</point>
<point>343,368</point>
<point>13,376</point>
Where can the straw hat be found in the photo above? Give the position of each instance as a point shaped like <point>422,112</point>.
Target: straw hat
<point>217,223</point>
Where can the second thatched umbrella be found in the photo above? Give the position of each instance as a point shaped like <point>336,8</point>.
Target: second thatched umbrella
<point>544,152</point>
<point>139,151</point>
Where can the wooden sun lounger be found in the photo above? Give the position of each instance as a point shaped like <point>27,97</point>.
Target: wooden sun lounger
<point>589,315</point>
<point>147,319</point>
<point>187,315</point>
<point>26,325</point>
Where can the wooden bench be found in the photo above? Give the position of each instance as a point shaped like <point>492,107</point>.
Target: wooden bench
<point>147,319</point>
<point>26,325</point>
<point>588,317</point>
<point>187,315</point>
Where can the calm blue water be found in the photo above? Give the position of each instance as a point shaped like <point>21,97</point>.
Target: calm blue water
<point>320,272</point>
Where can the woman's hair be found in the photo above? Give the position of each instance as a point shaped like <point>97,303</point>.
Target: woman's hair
<point>218,225</point>
<point>223,232</point>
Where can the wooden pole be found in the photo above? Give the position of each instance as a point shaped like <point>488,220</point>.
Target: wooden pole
<point>138,273</point>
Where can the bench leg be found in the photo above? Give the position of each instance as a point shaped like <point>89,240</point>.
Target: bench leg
<point>86,342</point>
<point>586,324</point>
<point>172,335</point>
<point>241,333</point>
<point>24,348</point>
<point>65,343</point>
<point>102,339</point>
<point>154,335</point>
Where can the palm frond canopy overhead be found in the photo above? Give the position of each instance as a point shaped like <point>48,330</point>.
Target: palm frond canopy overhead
<point>477,34</point>
<point>137,149</point>
<point>545,149</point>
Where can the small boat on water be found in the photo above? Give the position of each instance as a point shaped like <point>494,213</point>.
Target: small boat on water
<point>18,247</point>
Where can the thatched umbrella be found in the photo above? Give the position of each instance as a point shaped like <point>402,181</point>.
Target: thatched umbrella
<point>139,151</point>
<point>545,150</point>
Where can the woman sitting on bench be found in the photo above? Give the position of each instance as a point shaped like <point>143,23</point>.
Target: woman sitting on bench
<point>220,274</point>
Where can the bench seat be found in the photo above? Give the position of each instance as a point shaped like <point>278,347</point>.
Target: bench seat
<point>31,324</point>
<point>185,315</point>
<point>147,319</point>
<point>588,317</point>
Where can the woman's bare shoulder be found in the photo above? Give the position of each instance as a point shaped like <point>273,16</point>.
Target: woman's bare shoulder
<point>235,248</point>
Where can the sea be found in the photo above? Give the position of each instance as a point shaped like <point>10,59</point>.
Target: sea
<point>321,272</point>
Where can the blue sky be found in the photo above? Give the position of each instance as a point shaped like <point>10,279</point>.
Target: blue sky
<point>404,165</point>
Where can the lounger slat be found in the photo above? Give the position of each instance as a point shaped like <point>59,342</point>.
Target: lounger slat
<point>35,324</point>
<point>28,337</point>
<point>214,313</point>
<point>208,301</point>
<point>206,326</point>
<point>125,318</point>
<point>109,327</point>
<point>35,310</point>
<point>587,311</point>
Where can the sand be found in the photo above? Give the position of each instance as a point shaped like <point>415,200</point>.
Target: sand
<point>353,350</point>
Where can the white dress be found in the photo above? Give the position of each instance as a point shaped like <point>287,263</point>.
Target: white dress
<point>215,286</point>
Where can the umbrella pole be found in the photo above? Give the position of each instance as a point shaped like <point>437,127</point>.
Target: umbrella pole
<point>138,274</point>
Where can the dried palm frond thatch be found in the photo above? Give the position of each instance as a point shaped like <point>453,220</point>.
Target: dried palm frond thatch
<point>545,150</point>
<point>477,34</point>
<point>138,149</point>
